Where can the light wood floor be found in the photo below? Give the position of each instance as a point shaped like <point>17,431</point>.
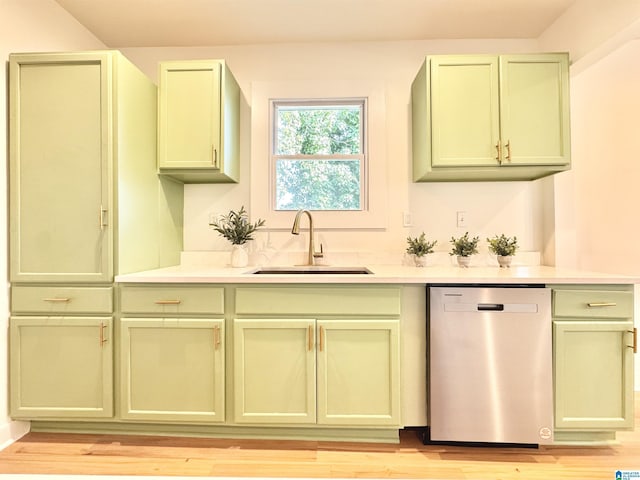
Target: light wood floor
<point>165,456</point>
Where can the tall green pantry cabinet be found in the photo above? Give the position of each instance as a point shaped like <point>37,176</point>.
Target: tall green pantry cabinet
<point>86,204</point>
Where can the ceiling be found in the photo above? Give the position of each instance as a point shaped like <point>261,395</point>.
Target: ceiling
<point>156,23</point>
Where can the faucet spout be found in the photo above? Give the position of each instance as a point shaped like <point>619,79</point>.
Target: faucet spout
<point>295,230</point>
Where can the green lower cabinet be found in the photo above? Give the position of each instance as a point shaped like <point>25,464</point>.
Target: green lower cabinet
<point>329,372</point>
<point>358,372</point>
<point>61,367</point>
<point>593,374</point>
<point>172,370</point>
<point>593,337</point>
<point>274,371</point>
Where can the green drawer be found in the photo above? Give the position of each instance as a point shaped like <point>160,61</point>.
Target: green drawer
<point>318,300</point>
<point>61,300</point>
<point>593,303</point>
<point>173,299</point>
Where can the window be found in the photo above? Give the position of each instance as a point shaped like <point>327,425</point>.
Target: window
<point>374,165</point>
<point>318,155</point>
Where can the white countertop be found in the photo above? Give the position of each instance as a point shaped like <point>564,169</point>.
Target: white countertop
<point>387,274</point>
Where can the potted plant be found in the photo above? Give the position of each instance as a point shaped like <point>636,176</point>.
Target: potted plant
<point>504,248</point>
<point>463,248</point>
<point>236,227</point>
<point>419,247</point>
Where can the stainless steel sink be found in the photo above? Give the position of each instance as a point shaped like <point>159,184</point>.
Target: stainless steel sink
<point>312,270</point>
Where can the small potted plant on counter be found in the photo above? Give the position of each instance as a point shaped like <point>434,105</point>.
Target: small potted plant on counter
<point>463,248</point>
<point>504,248</point>
<point>419,247</point>
<point>236,227</point>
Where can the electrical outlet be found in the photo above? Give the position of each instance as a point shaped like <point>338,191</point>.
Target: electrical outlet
<point>212,217</point>
<point>407,219</point>
<point>461,219</point>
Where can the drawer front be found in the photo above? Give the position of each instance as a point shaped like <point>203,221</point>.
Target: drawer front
<point>172,299</point>
<point>63,300</point>
<point>593,303</point>
<point>318,300</point>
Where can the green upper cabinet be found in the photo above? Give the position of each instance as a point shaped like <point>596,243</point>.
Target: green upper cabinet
<point>464,111</point>
<point>85,199</point>
<point>534,110</point>
<point>199,122</point>
<point>488,117</point>
<point>59,193</point>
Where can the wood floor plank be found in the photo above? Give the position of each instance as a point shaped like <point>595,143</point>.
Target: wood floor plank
<point>69,454</point>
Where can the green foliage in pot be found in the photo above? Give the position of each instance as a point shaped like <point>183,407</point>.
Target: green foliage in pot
<point>503,246</point>
<point>464,246</point>
<point>419,246</point>
<point>235,226</point>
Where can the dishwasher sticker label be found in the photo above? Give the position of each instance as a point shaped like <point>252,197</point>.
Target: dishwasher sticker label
<point>545,433</point>
<point>627,474</point>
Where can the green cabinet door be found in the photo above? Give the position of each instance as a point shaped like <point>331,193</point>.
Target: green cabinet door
<point>85,200</point>
<point>534,109</point>
<point>198,128</point>
<point>274,371</point>
<point>358,372</point>
<point>464,110</point>
<point>593,363</point>
<point>59,151</point>
<point>172,370</point>
<point>61,367</point>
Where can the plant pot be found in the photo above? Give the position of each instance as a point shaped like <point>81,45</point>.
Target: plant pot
<point>239,256</point>
<point>504,261</point>
<point>420,261</point>
<point>463,261</point>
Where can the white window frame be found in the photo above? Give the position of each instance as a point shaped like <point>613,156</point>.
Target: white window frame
<point>361,157</point>
<point>259,188</point>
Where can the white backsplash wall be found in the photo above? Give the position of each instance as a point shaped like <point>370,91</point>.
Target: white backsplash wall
<point>513,208</point>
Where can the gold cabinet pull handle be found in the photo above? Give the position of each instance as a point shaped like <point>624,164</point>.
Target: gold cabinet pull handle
<point>634,332</point>
<point>310,338</point>
<point>57,300</point>
<point>508,145</point>
<point>214,157</point>
<point>216,337</point>
<point>499,152</point>
<point>321,338</point>
<point>103,340</point>
<point>601,304</point>
<point>104,219</point>
<point>168,302</point>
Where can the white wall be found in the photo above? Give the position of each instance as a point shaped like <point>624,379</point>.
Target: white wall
<point>591,29</point>
<point>25,26</point>
<point>513,208</point>
<point>597,201</point>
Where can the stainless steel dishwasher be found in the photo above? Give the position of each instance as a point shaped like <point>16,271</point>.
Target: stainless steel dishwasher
<point>490,367</point>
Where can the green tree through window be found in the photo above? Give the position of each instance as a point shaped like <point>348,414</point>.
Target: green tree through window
<point>319,155</point>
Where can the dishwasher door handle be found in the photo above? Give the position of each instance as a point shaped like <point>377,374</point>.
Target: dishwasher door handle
<point>491,307</point>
